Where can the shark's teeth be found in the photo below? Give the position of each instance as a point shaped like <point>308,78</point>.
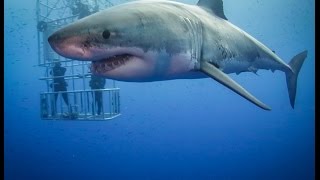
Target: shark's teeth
<point>109,63</point>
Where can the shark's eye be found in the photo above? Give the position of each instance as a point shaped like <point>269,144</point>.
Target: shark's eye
<point>106,34</point>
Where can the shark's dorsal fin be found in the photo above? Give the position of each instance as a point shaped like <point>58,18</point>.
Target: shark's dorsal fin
<point>216,6</point>
<point>222,78</point>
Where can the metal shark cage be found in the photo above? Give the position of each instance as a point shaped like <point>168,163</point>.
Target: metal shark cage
<point>82,100</point>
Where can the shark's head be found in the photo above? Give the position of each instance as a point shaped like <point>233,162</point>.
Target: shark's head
<point>110,39</point>
<point>124,42</point>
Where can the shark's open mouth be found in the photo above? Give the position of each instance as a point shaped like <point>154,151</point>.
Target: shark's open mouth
<point>109,63</point>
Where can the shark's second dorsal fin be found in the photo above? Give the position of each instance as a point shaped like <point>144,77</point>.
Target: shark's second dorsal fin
<point>216,6</point>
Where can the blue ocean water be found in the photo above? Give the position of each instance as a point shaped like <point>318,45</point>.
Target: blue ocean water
<point>179,129</point>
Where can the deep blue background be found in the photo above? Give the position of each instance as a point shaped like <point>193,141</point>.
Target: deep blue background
<point>180,129</point>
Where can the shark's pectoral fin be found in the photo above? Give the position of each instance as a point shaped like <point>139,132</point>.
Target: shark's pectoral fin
<point>221,77</point>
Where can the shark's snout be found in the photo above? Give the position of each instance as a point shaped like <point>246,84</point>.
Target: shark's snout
<point>53,38</point>
<point>68,46</point>
<point>55,42</point>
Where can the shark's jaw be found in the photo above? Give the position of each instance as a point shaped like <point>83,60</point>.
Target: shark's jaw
<point>124,67</point>
<point>120,63</point>
<point>111,63</point>
<point>115,62</point>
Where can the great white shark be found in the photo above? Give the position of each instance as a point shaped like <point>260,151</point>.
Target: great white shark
<point>156,40</point>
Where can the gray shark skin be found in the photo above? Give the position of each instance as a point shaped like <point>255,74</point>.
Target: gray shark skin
<point>158,40</point>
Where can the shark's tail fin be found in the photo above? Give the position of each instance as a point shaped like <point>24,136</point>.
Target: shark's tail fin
<point>292,76</point>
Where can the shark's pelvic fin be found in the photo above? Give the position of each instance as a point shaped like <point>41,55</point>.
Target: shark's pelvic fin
<point>221,77</point>
<point>215,6</point>
<point>292,77</point>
